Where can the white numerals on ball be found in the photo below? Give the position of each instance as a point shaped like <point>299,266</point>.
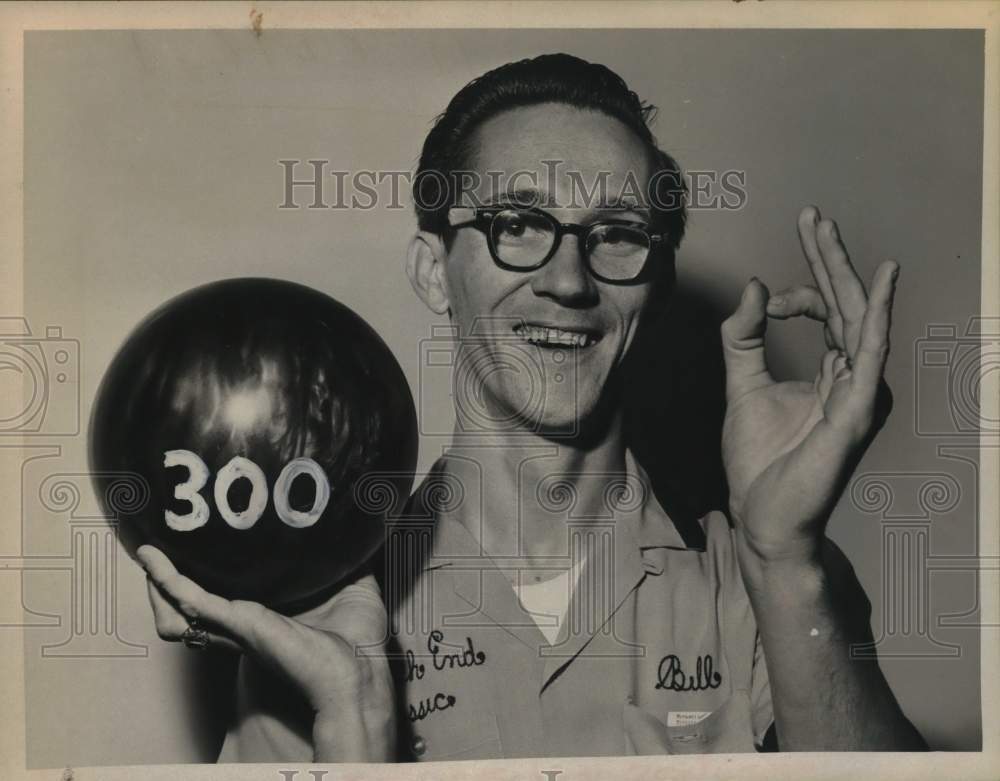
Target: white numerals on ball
<point>188,491</point>
<point>241,467</point>
<point>294,468</point>
<point>237,468</point>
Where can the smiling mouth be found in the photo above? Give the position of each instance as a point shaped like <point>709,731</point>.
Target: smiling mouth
<point>544,336</point>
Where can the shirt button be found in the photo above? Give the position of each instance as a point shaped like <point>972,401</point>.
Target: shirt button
<point>419,746</point>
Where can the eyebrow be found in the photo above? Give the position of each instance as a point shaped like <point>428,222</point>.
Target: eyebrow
<point>525,196</point>
<point>521,197</point>
<point>627,205</point>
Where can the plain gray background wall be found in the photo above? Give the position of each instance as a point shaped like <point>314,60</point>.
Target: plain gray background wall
<point>151,167</point>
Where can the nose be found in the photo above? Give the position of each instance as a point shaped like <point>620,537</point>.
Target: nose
<point>565,277</point>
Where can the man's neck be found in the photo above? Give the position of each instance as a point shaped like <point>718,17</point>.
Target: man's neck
<point>519,490</point>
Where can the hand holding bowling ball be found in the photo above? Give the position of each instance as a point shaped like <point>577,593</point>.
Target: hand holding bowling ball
<point>251,409</point>
<point>340,666</point>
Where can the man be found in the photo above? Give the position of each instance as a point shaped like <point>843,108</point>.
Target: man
<point>547,605</point>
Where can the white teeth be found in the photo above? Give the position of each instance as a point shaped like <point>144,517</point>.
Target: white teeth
<point>536,335</point>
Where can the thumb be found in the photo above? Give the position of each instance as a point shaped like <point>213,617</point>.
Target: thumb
<point>743,342</point>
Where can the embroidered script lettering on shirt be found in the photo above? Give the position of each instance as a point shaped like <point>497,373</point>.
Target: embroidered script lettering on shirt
<point>467,657</point>
<point>429,705</point>
<point>671,675</point>
<point>414,669</point>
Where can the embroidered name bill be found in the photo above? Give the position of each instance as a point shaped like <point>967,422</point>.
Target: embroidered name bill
<point>672,675</point>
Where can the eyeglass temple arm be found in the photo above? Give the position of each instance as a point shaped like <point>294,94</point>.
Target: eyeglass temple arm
<point>472,216</point>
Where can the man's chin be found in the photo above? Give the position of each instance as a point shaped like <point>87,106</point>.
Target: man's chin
<point>562,416</point>
<point>574,423</point>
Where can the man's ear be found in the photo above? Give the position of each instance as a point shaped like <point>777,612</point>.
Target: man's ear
<point>425,268</point>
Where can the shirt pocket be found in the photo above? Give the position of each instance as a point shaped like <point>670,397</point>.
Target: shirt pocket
<point>725,730</point>
<point>447,726</point>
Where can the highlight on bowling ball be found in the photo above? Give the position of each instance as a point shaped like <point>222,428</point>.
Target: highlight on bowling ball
<point>252,408</point>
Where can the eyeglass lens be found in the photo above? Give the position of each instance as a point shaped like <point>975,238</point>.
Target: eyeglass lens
<point>523,239</point>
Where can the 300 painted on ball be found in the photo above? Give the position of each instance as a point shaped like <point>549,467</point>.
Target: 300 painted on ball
<point>251,407</point>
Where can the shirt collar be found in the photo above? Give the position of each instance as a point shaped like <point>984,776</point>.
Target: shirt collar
<point>655,527</point>
<point>647,526</point>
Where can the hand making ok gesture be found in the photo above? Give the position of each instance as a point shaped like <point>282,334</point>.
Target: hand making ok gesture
<point>789,447</point>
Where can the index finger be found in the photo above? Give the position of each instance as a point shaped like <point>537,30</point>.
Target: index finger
<point>809,218</point>
<point>188,597</point>
<point>852,298</point>
<point>171,623</point>
<point>874,347</point>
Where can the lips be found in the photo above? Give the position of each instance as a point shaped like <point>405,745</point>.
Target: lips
<point>552,336</point>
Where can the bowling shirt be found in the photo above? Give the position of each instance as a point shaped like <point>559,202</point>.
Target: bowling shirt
<point>659,638</point>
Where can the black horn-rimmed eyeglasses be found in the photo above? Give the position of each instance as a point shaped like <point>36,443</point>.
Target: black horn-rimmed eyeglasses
<point>526,238</point>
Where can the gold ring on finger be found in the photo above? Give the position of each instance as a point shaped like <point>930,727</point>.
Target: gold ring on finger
<point>194,636</point>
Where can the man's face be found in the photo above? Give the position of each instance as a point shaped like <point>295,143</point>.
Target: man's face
<point>522,371</point>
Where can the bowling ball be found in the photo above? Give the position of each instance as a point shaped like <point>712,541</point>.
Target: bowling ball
<point>248,410</point>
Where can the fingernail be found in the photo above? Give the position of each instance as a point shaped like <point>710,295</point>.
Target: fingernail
<point>776,301</point>
<point>895,273</point>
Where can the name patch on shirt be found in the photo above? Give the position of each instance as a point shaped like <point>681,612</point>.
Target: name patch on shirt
<point>685,718</point>
<point>672,676</point>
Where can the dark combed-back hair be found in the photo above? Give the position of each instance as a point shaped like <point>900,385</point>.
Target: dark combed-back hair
<point>549,78</point>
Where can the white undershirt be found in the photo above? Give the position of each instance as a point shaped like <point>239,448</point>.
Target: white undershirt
<point>548,601</point>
